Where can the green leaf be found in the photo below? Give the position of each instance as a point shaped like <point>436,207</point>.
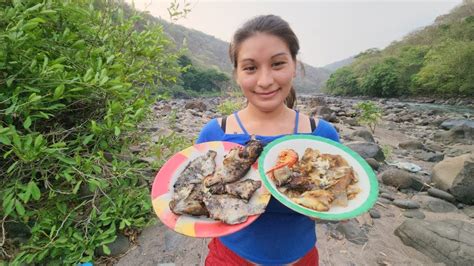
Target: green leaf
<point>117,131</point>
<point>5,140</point>
<point>76,187</point>
<point>35,191</point>
<point>9,207</point>
<point>10,81</point>
<point>87,139</point>
<point>19,208</point>
<point>58,92</point>
<point>38,141</point>
<point>27,123</point>
<point>12,167</point>
<point>66,160</point>
<point>106,249</point>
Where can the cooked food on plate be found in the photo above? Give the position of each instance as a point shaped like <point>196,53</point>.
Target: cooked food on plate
<point>218,191</point>
<point>316,181</point>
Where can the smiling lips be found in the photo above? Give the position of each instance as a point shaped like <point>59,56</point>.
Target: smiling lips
<point>267,94</point>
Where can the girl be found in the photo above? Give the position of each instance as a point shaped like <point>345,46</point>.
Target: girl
<point>263,52</point>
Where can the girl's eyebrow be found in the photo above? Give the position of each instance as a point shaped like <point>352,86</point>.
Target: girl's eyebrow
<point>252,60</point>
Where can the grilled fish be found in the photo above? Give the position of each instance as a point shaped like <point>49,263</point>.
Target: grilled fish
<point>229,209</point>
<point>236,164</point>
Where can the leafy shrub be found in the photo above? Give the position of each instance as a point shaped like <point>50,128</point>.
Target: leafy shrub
<point>75,80</point>
<point>369,114</point>
<point>229,106</point>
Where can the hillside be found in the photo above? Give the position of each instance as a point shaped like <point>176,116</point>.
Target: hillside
<point>437,60</point>
<point>206,51</point>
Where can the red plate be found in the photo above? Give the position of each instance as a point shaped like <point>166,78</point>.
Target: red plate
<point>162,191</point>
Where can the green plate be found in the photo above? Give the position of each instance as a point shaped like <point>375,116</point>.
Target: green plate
<point>368,184</point>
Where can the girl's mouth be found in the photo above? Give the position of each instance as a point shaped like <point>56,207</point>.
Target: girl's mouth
<point>267,94</point>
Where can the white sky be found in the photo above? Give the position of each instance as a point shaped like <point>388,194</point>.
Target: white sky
<point>328,31</point>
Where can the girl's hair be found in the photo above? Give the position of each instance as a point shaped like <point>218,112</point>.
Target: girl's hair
<point>272,25</point>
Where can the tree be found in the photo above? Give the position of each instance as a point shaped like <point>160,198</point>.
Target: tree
<point>369,114</point>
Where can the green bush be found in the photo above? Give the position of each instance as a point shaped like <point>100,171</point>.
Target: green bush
<point>229,106</point>
<point>75,80</point>
<point>369,114</point>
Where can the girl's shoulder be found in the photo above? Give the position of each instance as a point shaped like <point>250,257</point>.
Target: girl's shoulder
<point>211,131</point>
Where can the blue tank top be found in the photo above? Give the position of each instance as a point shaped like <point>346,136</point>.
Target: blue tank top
<point>280,235</point>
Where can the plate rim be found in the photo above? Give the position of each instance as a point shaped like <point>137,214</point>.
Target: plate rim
<point>371,199</point>
<point>185,229</point>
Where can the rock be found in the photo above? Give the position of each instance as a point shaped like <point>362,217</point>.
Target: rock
<point>406,204</point>
<point>429,156</point>
<point>414,214</point>
<point>411,145</point>
<point>352,232</point>
<point>374,213</point>
<point>447,241</point>
<point>351,122</point>
<point>458,134</point>
<point>441,194</point>
<point>367,150</point>
<point>384,200</point>
<point>469,211</point>
<point>197,105</point>
<point>456,175</point>
<point>363,135</point>
<point>324,112</point>
<point>450,123</point>
<point>373,163</point>
<point>397,178</point>
<point>387,196</point>
<point>433,204</point>
<point>119,246</point>
<point>420,182</point>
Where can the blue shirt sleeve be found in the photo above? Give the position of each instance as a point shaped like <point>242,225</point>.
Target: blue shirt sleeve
<point>210,132</point>
<point>326,130</point>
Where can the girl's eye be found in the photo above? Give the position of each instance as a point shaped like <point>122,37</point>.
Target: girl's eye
<point>249,68</point>
<point>279,63</point>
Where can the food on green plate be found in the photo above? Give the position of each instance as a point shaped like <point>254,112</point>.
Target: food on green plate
<point>316,181</point>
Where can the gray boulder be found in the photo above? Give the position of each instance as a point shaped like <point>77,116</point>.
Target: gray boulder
<point>197,105</point>
<point>411,145</point>
<point>456,175</point>
<point>367,150</point>
<point>446,241</point>
<point>458,134</point>
<point>406,204</point>
<point>438,193</point>
<point>352,231</point>
<point>414,214</point>
<point>450,123</point>
<point>433,204</point>
<point>363,134</point>
<point>397,178</point>
<point>429,156</point>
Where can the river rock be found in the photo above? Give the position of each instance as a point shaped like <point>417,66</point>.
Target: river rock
<point>447,241</point>
<point>197,105</point>
<point>363,134</point>
<point>373,163</point>
<point>352,231</point>
<point>325,113</point>
<point>406,204</point>
<point>119,246</point>
<point>411,145</point>
<point>414,214</point>
<point>438,193</point>
<point>384,200</point>
<point>388,196</point>
<point>397,178</point>
<point>374,213</point>
<point>456,175</point>
<point>367,150</point>
<point>469,211</point>
<point>433,204</point>
<point>458,134</point>
<point>450,123</point>
<point>429,156</point>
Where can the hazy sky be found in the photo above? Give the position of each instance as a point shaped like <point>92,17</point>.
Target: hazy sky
<point>328,31</point>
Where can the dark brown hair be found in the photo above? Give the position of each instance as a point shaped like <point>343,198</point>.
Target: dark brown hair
<point>272,25</point>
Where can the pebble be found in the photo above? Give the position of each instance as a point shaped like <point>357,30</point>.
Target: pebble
<point>387,196</point>
<point>384,200</point>
<point>374,213</point>
<point>406,204</point>
<point>414,214</point>
<point>438,193</point>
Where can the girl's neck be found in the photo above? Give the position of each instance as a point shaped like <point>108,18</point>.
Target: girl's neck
<point>259,115</point>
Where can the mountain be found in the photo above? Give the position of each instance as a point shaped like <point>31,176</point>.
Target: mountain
<point>207,51</point>
<point>434,61</point>
<point>338,64</point>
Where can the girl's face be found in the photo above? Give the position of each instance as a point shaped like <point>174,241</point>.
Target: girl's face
<point>265,71</point>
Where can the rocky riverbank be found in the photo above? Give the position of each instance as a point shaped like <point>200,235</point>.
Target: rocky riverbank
<point>425,165</point>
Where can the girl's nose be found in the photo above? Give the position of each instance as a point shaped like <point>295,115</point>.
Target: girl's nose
<point>265,79</point>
